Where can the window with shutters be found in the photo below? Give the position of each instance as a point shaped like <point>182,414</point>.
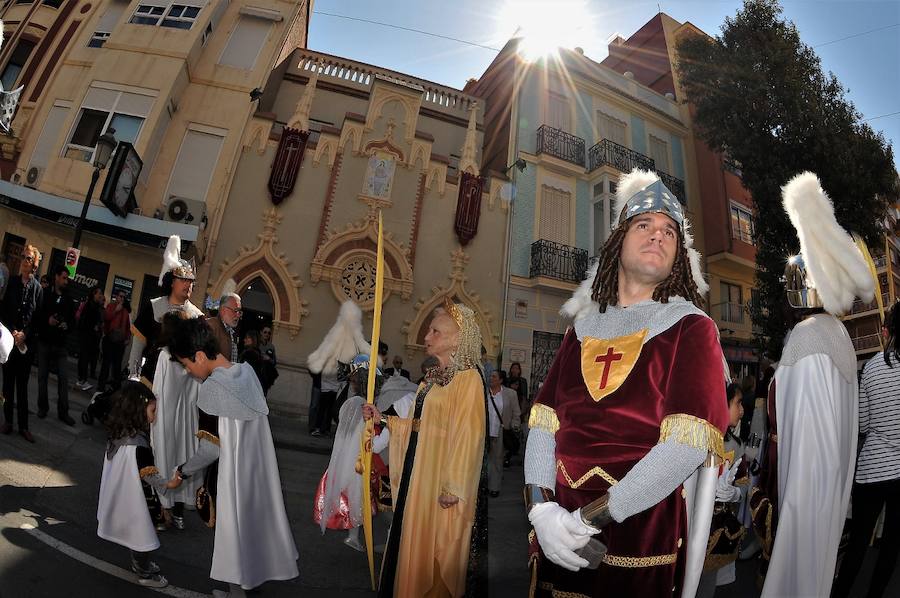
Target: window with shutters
<point>731,303</point>
<point>659,151</point>
<point>611,128</point>
<point>16,63</point>
<point>107,23</point>
<point>246,42</point>
<point>195,165</point>
<point>105,109</point>
<point>555,215</point>
<point>558,112</point>
<point>741,223</point>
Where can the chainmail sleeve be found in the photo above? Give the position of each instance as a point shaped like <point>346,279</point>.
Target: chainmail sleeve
<point>540,458</point>
<point>653,478</point>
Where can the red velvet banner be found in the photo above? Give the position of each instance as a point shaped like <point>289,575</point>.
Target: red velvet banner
<point>287,163</point>
<point>468,206</point>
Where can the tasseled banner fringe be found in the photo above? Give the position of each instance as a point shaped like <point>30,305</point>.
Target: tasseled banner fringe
<point>692,431</point>
<point>543,418</point>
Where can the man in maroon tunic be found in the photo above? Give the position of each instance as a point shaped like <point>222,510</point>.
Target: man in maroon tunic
<point>632,407</point>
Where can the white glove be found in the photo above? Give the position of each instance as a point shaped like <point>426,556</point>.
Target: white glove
<point>725,489</point>
<point>560,533</point>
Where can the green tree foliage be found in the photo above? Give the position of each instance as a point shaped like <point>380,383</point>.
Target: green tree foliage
<point>762,99</point>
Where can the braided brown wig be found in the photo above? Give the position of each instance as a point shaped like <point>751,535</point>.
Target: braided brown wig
<point>605,289</point>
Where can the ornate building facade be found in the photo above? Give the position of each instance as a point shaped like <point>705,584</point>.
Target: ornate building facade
<point>333,142</point>
<point>172,77</point>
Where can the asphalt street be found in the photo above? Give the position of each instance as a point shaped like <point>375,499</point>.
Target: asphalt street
<point>49,545</point>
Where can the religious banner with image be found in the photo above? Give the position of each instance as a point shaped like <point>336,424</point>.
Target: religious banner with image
<point>468,206</point>
<point>379,176</point>
<point>287,162</point>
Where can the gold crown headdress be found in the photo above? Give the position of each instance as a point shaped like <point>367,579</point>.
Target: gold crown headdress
<point>453,311</point>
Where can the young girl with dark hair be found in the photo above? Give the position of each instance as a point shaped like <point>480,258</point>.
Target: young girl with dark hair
<point>131,483</point>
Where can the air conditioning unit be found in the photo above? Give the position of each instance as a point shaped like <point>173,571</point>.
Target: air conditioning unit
<point>184,210</point>
<point>33,176</point>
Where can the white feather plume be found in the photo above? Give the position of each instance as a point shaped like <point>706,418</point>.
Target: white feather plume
<point>580,303</point>
<point>630,184</point>
<point>697,271</point>
<point>342,343</point>
<point>835,266</point>
<point>229,288</point>
<point>171,256</point>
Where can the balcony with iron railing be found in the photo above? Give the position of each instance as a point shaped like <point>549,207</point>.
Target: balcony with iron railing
<point>861,307</point>
<point>560,144</point>
<point>867,342</point>
<point>609,153</point>
<point>732,313</point>
<point>555,260</point>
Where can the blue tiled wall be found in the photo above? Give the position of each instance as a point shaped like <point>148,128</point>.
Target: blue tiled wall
<point>529,114</point>
<point>677,157</point>
<point>523,221</point>
<point>638,135</point>
<point>583,215</point>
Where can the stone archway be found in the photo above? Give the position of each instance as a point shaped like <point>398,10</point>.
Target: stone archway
<point>270,268</point>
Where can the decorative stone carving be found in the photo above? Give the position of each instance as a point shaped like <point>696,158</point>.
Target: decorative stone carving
<point>265,262</point>
<point>416,328</point>
<point>346,251</point>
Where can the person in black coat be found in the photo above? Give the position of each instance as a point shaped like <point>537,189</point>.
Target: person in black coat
<point>21,300</point>
<point>90,328</point>
<point>397,369</point>
<point>54,319</point>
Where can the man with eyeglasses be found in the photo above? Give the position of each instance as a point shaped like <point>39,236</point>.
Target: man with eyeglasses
<point>224,326</point>
<point>22,298</point>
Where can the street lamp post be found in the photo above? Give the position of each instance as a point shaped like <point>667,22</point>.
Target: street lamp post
<point>105,146</point>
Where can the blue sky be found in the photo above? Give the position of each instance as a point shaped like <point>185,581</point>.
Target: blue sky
<point>867,65</point>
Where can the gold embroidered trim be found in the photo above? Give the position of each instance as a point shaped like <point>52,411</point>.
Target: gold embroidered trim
<point>531,536</point>
<point>146,382</point>
<point>640,561</point>
<point>546,585</point>
<point>594,471</point>
<point>149,470</point>
<point>692,431</point>
<point>544,418</point>
<point>203,434</point>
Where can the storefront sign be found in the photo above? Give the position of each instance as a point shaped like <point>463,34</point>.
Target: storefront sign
<point>72,255</point>
<point>122,285</point>
<point>90,274</point>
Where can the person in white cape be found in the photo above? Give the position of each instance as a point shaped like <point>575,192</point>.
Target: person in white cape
<point>172,436</point>
<point>338,500</point>
<point>253,542</point>
<point>813,399</point>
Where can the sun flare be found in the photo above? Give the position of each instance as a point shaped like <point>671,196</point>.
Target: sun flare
<point>544,26</point>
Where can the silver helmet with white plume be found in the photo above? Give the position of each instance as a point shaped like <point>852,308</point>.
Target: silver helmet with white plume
<point>830,271</point>
<point>173,263</point>
<point>639,192</point>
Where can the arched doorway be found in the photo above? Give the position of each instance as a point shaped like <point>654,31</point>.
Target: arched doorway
<point>257,304</point>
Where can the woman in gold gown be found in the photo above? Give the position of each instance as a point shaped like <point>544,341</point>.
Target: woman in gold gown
<point>438,540</point>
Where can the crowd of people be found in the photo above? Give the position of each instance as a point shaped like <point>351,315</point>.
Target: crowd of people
<point>53,325</point>
<point>647,470</point>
